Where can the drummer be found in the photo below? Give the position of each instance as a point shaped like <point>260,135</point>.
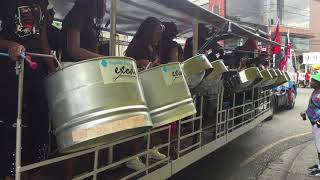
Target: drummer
<point>169,49</point>
<point>80,37</point>
<point>203,33</point>
<point>144,49</point>
<point>144,45</point>
<point>80,41</point>
<point>23,29</point>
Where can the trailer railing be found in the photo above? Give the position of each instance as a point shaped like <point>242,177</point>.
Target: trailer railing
<point>225,119</point>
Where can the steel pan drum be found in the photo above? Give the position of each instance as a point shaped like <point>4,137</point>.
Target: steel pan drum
<point>267,78</point>
<point>274,76</point>
<point>167,94</point>
<point>210,84</point>
<point>231,80</point>
<point>281,78</point>
<point>96,101</point>
<point>287,76</point>
<point>218,68</point>
<point>195,69</point>
<point>249,77</point>
<point>235,81</point>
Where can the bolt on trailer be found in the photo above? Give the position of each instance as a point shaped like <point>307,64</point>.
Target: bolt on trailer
<point>224,104</point>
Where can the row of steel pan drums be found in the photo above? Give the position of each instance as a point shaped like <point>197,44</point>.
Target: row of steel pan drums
<point>103,100</point>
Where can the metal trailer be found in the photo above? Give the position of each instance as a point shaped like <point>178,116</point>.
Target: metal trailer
<point>188,144</point>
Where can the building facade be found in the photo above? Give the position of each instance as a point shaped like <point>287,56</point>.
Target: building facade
<point>315,25</point>
<point>297,16</point>
<point>293,16</point>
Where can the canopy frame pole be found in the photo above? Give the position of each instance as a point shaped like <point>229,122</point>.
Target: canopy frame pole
<point>113,28</point>
<point>195,38</point>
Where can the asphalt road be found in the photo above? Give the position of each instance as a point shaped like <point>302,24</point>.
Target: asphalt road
<point>249,155</point>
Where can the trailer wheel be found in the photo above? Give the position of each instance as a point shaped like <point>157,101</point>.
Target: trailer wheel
<point>273,105</point>
<point>291,100</point>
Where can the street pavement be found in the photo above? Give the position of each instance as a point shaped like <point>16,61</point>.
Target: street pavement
<point>279,149</point>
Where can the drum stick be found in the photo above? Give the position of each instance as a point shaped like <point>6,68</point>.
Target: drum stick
<point>46,56</point>
<point>33,65</point>
<point>149,64</point>
<point>41,55</point>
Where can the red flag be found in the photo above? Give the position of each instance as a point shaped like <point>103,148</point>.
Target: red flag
<point>288,53</point>
<point>277,48</point>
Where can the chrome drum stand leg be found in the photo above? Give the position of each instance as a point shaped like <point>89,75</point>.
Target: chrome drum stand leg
<point>20,73</point>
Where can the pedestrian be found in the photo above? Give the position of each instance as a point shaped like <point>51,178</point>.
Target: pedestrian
<point>313,114</point>
<point>307,78</point>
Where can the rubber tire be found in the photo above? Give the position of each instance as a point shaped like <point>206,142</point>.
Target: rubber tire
<point>272,108</point>
<point>292,104</point>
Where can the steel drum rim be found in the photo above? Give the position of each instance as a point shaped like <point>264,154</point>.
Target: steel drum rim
<point>156,67</point>
<point>89,60</point>
<point>220,63</point>
<point>256,71</point>
<point>105,113</point>
<point>193,57</point>
<point>189,106</point>
<point>266,81</point>
<point>162,123</point>
<point>172,105</point>
<point>188,73</point>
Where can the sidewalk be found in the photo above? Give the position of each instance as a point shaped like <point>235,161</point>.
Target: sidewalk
<point>292,164</point>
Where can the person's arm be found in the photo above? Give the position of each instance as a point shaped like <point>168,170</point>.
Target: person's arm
<point>45,47</point>
<point>142,63</point>
<point>14,49</point>
<point>73,46</point>
<point>174,55</point>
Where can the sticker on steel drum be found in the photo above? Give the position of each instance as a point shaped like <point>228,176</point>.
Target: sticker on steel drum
<point>109,128</point>
<point>117,71</point>
<point>172,74</point>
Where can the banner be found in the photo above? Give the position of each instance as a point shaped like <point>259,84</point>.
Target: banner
<point>311,58</point>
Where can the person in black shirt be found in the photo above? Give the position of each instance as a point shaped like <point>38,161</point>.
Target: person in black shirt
<point>54,34</point>
<point>23,28</point>
<point>169,49</point>
<point>143,47</point>
<point>203,32</point>
<point>79,34</point>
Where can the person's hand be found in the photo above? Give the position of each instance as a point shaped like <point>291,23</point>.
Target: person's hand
<point>156,63</point>
<point>15,51</point>
<point>318,123</point>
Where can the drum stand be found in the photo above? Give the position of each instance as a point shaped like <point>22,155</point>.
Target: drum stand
<point>20,72</point>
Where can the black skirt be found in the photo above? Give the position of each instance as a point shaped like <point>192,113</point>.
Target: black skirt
<point>35,116</point>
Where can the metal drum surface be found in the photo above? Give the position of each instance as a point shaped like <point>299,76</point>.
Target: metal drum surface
<point>275,76</point>
<point>194,70</point>
<point>231,80</point>
<point>249,77</point>
<point>211,84</point>
<point>167,94</point>
<point>218,68</point>
<point>267,78</point>
<point>281,78</point>
<point>95,102</point>
<point>287,76</point>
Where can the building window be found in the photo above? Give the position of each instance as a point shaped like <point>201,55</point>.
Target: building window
<point>300,44</point>
<point>292,13</point>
